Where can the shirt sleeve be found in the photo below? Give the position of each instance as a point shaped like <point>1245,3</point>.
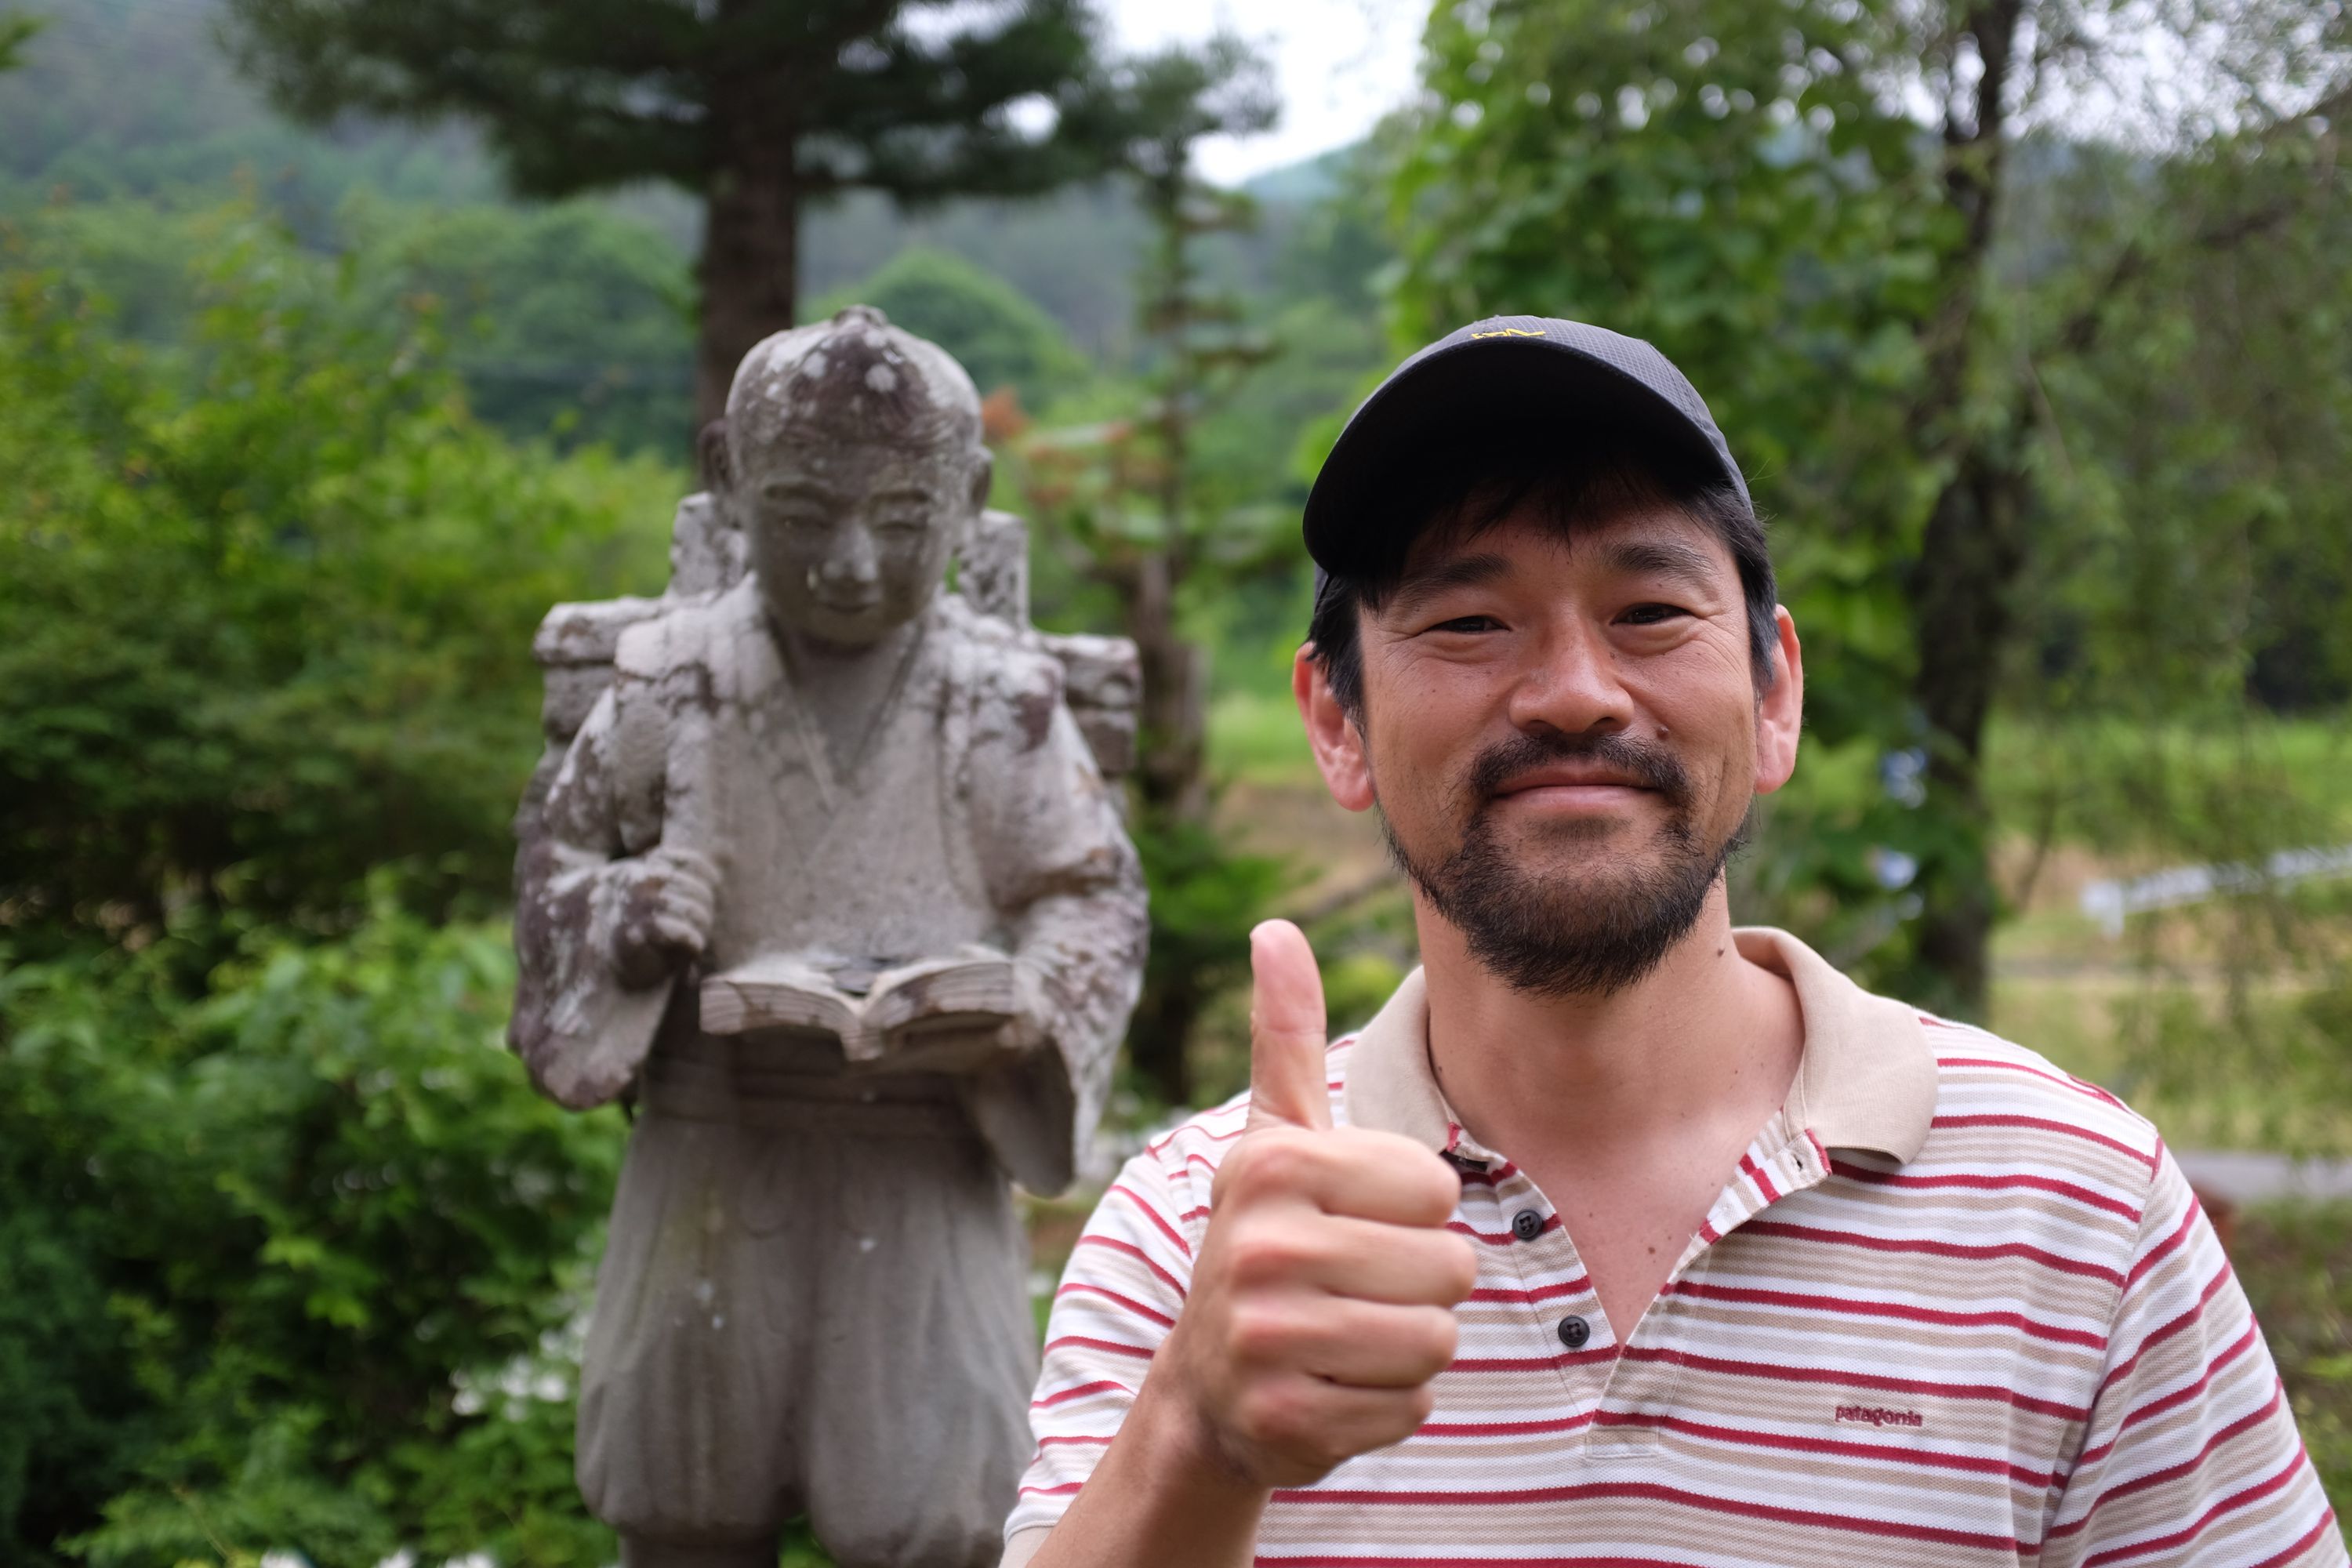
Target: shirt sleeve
<point>2190,1454</point>
<point>1120,1295</point>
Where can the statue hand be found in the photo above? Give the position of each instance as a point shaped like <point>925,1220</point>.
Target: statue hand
<point>667,899</point>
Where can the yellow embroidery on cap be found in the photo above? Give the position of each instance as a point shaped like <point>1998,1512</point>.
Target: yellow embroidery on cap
<point>1508,333</point>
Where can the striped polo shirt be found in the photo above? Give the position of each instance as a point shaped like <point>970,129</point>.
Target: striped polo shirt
<point>1955,1306</point>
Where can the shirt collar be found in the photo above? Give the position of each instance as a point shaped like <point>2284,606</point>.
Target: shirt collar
<point>1867,1079</point>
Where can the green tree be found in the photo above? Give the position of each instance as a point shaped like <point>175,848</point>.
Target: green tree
<point>15,31</point>
<point>1751,190</point>
<point>269,601</point>
<point>993,330</point>
<point>567,318</point>
<point>292,1268</point>
<point>1148,538</point>
<point>758,107</point>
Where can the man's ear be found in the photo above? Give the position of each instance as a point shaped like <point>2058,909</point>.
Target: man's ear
<point>1337,740</point>
<point>710,456</point>
<point>1780,710</point>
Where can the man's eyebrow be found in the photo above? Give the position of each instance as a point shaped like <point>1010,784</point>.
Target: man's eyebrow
<point>1461,571</point>
<point>1659,558</point>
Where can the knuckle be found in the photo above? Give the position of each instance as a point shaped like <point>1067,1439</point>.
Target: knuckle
<point>1257,1334</point>
<point>1258,1256</point>
<point>1272,1414</point>
<point>1266,1163</point>
<point>1459,1260</point>
<point>1440,1336</point>
<point>1420,1403</point>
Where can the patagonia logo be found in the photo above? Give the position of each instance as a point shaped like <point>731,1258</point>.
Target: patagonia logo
<point>1879,1416</point>
<point>1508,332</point>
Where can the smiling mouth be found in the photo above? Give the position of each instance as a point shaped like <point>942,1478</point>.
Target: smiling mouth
<point>1573,788</point>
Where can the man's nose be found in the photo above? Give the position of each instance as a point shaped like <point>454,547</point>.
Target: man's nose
<point>1571,681</point>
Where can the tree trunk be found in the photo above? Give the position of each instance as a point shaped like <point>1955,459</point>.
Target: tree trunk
<point>1960,606</point>
<point>749,268</point>
<point>1162,1027</point>
<point>1171,797</point>
<point>1959,589</point>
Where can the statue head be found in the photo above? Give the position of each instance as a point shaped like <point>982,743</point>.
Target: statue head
<point>853,465</point>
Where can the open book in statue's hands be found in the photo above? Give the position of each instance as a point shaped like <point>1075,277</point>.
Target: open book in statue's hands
<point>875,1012</point>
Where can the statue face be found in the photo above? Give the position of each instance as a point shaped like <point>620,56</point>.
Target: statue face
<point>850,540</point>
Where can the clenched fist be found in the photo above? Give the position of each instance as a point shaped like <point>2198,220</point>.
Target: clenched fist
<point>1321,1304</point>
<point>667,900</point>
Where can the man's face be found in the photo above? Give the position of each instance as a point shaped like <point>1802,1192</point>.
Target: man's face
<point>1563,735</point>
<point>851,540</point>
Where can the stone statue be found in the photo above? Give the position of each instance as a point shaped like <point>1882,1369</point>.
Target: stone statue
<point>830,886</point>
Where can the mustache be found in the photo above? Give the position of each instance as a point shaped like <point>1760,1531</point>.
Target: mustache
<point>1652,766</point>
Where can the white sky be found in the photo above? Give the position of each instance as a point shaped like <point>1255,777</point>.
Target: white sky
<point>1340,65</point>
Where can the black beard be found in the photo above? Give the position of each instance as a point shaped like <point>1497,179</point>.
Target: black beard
<point>1549,939</point>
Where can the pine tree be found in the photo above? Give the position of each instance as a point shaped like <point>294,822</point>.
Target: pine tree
<point>758,107</point>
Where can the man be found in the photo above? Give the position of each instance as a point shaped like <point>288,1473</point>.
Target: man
<point>1620,1236</point>
<point>814,1295</point>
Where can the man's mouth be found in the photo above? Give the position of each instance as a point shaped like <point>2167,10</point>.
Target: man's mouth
<point>1585,774</point>
<point>1568,783</point>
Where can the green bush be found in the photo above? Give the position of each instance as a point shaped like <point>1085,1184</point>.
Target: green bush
<point>290,1265</point>
<point>268,600</point>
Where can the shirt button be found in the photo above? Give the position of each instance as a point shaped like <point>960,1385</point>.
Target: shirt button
<point>1527,1224</point>
<point>1574,1331</point>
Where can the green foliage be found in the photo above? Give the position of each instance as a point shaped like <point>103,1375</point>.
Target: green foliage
<point>565,320</point>
<point>15,31</point>
<point>2070,378</point>
<point>2293,1263</point>
<point>1725,182</point>
<point>582,97</point>
<point>993,330</point>
<point>270,600</point>
<point>190,132</point>
<point>294,1263</point>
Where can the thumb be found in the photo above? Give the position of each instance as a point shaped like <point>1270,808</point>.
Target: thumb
<point>1287,1030</point>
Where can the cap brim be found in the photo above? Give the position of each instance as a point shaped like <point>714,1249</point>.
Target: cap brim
<point>1466,390</point>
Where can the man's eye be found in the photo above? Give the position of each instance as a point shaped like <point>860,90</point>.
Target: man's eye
<point>1468,623</point>
<point>1652,615</point>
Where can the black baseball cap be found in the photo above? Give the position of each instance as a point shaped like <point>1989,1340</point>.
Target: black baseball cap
<point>1531,373</point>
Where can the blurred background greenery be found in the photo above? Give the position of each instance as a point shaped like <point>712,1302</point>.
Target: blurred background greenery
<point>325,368</point>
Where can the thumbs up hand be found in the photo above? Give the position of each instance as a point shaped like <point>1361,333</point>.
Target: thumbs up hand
<point>1320,1305</point>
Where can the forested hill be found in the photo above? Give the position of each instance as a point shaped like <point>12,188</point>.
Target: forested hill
<point>131,110</point>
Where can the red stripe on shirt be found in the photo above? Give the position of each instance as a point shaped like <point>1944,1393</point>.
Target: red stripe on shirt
<point>1138,1199</point>
<point>2032,1254</point>
<point>1822,1375</point>
<point>1130,1302</point>
<point>1891,1453</point>
<point>1063,1396</point>
<point>1974,1182</point>
<point>1652,1491</point>
<point>2196,1527</point>
<point>1131,1250</point>
<point>2046,1124</point>
<point>1855,1307</point>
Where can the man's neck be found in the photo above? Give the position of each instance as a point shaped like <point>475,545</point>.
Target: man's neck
<point>1708,1039</point>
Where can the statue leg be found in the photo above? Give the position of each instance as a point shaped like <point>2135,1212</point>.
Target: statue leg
<point>684,1446</point>
<point>917,1427</point>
